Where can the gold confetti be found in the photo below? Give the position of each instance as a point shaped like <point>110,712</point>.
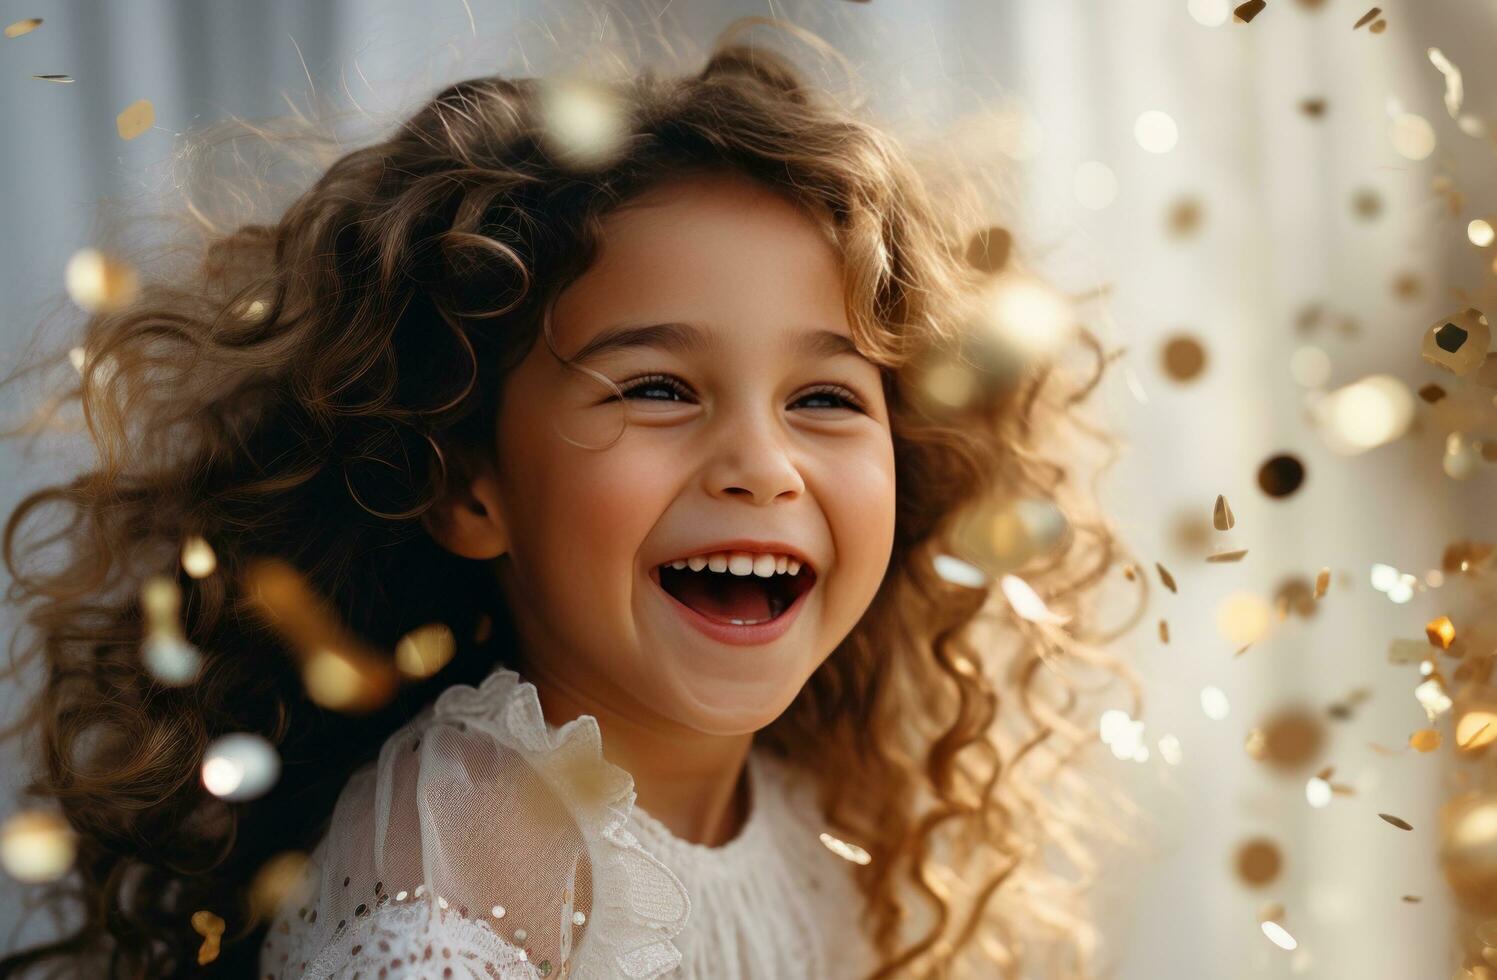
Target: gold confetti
<point>1027,603</point>
<point>99,283</point>
<point>23,27</point>
<point>1365,18</point>
<point>1166,577</point>
<point>135,118</point>
<point>1454,89</point>
<point>1290,739</point>
<point>425,650</point>
<point>1378,26</point>
<point>1184,217</point>
<point>1130,572</point>
<point>1281,475</point>
<point>167,654</point>
<point>1468,851</point>
<point>211,928</point>
<point>198,559</point>
<point>1398,822</point>
<point>1227,556</point>
<point>281,881</point>
<point>1475,729</point>
<point>583,124</point>
<point>1412,899</point>
<point>1431,393</point>
<point>843,849</point>
<point>988,250</point>
<point>1458,343</point>
<point>1247,11</point>
<point>483,629</point>
<point>1441,632</point>
<point>1184,358</point>
<point>1221,515</point>
<point>60,79</point>
<point>1164,631</point>
<point>1367,204</point>
<point>37,846</point>
<point>1425,740</point>
<point>1322,582</point>
<point>1314,108</point>
<point>1258,861</point>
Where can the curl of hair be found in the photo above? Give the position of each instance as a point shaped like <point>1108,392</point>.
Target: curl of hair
<point>307,388</point>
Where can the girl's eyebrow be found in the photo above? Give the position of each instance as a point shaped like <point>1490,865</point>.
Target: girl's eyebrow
<point>687,338</point>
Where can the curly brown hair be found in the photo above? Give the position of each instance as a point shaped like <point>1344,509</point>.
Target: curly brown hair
<point>385,307</point>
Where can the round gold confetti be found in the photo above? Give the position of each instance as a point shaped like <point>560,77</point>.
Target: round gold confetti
<point>1468,850</point>
<point>988,250</point>
<point>1184,358</point>
<point>1398,822</point>
<point>425,650</point>
<point>1243,619</point>
<point>135,118</point>
<point>1441,632</point>
<point>1295,596</point>
<point>1281,475</point>
<point>1367,204</point>
<point>280,882</point>
<point>1407,285</point>
<point>1424,740</point>
<point>1292,738</point>
<point>1314,107</point>
<point>37,846</point>
<point>1258,862</point>
<point>1185,217</point>
<point>99,283</point>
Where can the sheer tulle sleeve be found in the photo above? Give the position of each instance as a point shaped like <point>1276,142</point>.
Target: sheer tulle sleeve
<point>482,844</point>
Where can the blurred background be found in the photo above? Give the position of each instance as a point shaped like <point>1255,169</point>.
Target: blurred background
<point>1278,208</point>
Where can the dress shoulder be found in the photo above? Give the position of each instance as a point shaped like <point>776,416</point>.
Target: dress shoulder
<point>483,842</point>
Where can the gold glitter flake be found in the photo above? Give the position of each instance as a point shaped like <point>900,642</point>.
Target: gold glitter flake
<point>1441,632</point>
<point>1258,862</point>
<point>1322,582</point>
<point>844,850</point>
<point>1314,108</point>
<point>988,250</point>
<point>1221,515</point>
<point>1367,18</point>
<point>211,928</point>
<point>1166,577</point>
<point>1398,822</point>
<point>1164,631</point>
<point>1227,556</point>
<point>23,27</point>
<point>1431,393</point>
<point>1425,740</point>
<point>1247,11</point>
<point>135,118</point>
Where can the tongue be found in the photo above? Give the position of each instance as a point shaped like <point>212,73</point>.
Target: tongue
<point>723,597</point>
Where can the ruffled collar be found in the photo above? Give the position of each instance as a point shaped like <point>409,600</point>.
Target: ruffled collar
<point>639,903</point>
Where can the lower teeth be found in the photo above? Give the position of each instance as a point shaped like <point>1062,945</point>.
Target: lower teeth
<point>776,606</point>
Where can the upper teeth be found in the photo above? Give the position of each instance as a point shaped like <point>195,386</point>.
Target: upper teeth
<point>740,563</point>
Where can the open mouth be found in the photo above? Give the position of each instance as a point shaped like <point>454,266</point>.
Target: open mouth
<point>739,600</point>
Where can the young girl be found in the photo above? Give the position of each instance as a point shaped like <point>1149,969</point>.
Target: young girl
<point>681,442</point>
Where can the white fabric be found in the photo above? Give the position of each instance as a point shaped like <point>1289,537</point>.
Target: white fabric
<point>478,802</point>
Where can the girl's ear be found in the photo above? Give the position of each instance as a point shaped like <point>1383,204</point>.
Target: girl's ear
<point>469,521</point>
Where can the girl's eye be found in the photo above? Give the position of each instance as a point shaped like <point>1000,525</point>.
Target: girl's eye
<point>672,385</point>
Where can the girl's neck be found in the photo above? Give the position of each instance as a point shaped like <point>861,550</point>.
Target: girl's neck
<point>692,783</point>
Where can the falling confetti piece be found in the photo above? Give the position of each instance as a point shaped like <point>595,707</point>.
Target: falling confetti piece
<point>1314,108</point>
<point>62,79</point>
<point>1027,603</point>
<point>1243,649</point>
<point>211,928</point>
<point>23,27</point>
<point>240,766</point>
<point>1259,861</point>
<point>1281,475</point>
<point>1214,703</point>
<point>135,118</point>
<point>988,250</point>
<point>1458,342</point>
<point>1441,632</point>
<point>1166,577</point>
<point>1227,556</point>
<point>1367,17</point>
<point>1247,11</point>
<point>1184,358</point>
<point>1278,935</point>
<point>99,283</point>
<point>1425,740</point>
<point>1454,90</point>
<point>843,849</point>
<point>37,846</point>
<point>583,123</point>
<point>1322,582</point>
<point>1221,515</point>
<point>1475,729</point>
<point>425,650</point>
<point>1164,631</point>
<point>1378,26</point>
<point>1412,899</point>
<point>1398,822</point>
<point>198,559</point>
<point>1130,572</point>
<point>1185,217</point>
<point>1367,204</point>
<point>1431,393</point>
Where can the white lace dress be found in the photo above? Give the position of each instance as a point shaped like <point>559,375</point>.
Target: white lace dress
<point>486,843</point>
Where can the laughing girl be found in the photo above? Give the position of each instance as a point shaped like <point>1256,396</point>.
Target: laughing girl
<point>678,438</point>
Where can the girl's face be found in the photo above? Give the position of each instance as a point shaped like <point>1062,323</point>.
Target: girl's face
<point>751,446</point>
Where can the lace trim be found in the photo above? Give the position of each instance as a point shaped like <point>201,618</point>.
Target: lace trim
<point>639,904</point>
<point>398,940</point>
